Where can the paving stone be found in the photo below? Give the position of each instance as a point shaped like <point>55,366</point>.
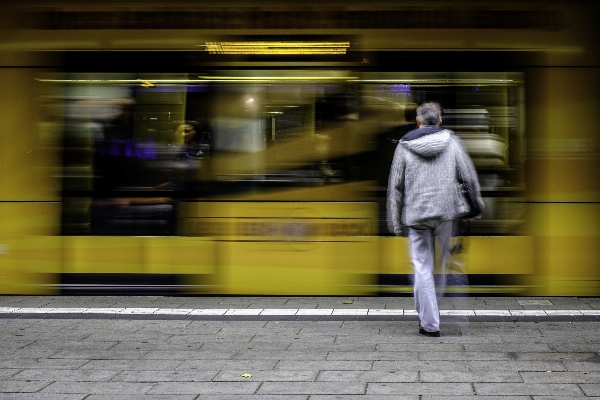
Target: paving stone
<point>300,338</point>
<point>209,338</point>
<point>120,388</point>
<point>368,376</point>
<point>184,355</point>
<point>57,345</point>
<point>421,365</point>
<point>287,327</point>
<point>11,386</point>
<point>576,347</point>
<point>51,374</point>
<point>183,330</point>
<point>246,365</point>
<point>366,356</point>
<point>582,366</point>
<point>266,376</point>
<point>341,347</point>
<point>317,328</point>
<point>166,376</point>
<point>451,376</point>
<point>41,363</point>
<point>524,335</point>
<point>561,377</point>
<point>567,389</point>
<point>204,388</point>
<point>132,365</point>
<point>18,353</point>
<point>8,372</point>
<point>502,302</point>
<point>324,365</point>
<point>553,356</point>
<point>508,347</point>
<point>516,366</point>
<point>287,388</point>
<point>359,328</point>
<point>101,355</point>
<point>33,335</point>
<point>464,356</point>
<point>554,340</point>
<point>116,336</point>
<point>591,389</point>
<point>241,347</point>
<point>149,346</point>
<point>24,301</point>
<point>113,327</point>
<point>416,347</point>
<point>420,388</point>
<point>298,355</point>
<point>229,327</point>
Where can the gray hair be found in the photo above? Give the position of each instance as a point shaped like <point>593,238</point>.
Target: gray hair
<point>429,113</point>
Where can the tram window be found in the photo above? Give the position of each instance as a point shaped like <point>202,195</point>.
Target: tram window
<point>128,165</point>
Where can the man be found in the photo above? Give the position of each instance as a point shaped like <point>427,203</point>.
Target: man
<point>424,199</point>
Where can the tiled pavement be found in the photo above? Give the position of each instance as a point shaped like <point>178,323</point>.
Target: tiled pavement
<point>297,348</point>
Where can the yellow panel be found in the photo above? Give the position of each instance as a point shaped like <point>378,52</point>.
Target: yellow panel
<point>30,218</point>
<point>270,268</point>
<point>103,254</point>
<point>280,268</point>
<point>28,157</point>
<point>571,219</point>
<point>574,256</point>
<point>564,179</point>
<point>572,286</point>
<point>358,256</point>
<point>395,255</point>
<point>179,255</point>
<point>499,255</point>
<point>353,267</point>
<point>30,264</point>
<point>570,265</point>
<point>567,242</point>
<point>563,157</point>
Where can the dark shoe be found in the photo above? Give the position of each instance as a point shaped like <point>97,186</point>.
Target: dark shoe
<point>427,333</point>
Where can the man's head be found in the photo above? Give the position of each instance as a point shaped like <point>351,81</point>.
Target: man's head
<point>429,113</point>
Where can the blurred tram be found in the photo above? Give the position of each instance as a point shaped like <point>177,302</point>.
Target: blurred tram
<point>258,164</point>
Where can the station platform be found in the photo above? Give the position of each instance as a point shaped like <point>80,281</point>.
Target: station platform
<point>298,348</point>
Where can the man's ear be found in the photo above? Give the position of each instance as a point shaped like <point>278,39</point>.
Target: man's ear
<point>440,119</point>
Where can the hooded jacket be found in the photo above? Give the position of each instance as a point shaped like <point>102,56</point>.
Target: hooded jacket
<point>424,184</point>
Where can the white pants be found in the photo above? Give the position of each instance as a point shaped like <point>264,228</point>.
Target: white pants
<point>422,249</point>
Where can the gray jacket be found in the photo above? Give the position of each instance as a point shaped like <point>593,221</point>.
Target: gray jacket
<point>424,180</point>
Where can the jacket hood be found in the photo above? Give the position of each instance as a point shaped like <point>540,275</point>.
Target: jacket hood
<point>430,144</point>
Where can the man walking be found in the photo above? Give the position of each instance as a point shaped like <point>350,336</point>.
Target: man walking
<point>424,199</point>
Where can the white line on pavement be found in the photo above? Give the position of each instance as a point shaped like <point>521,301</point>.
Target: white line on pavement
<point>285,311</point>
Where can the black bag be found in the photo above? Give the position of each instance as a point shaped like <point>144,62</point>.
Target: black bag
<point>474,208</point>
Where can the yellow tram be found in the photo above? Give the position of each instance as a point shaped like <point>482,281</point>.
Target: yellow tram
<point>295,112</point>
